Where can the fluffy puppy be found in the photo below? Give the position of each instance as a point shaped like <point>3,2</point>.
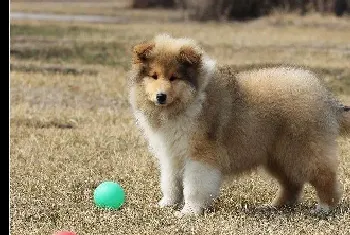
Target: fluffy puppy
<point>204,121</point>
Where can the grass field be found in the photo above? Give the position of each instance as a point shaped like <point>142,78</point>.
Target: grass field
<point>71,127</point>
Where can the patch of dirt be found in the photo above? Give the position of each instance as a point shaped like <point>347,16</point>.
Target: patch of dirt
<point>52,69</point>
<point>41,124</point>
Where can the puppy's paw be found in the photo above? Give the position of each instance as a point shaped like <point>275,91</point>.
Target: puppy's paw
<point>189,210</point>
<point>279,202</point>
<point>321,209</point>
<point>178,214</point>
<point>168,202</point>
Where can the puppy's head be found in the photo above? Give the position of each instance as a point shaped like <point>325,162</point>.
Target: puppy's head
<point>169,71</point>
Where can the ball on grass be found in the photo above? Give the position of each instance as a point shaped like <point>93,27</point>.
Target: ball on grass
<point>109,195</point>
<point>65,233</point>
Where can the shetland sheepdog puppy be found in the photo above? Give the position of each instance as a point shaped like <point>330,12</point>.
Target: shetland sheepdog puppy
<point>204,121</point>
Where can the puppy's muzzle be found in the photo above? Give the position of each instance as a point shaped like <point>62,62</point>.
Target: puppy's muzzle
<point>161,98</point>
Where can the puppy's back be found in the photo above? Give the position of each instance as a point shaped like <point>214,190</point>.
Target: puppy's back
<point>294,92</point>
<point>282,112</point>
<point>281,84</point>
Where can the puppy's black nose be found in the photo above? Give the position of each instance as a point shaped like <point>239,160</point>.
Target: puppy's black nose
<point>161,98</point>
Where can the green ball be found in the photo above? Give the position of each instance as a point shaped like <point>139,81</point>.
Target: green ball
<point>109,195</point>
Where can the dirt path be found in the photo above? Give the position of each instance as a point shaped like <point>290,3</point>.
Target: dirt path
<point>66,18</point>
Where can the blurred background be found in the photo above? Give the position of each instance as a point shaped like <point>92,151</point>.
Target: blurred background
<point>222,10</point>
<point>71,125</point>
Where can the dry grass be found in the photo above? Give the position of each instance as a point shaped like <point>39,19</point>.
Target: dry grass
<point>71,128</point>
<point>118,8</point>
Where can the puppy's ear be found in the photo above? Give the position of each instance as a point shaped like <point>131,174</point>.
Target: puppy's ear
<point>142,51</point>
<point>190,55</point>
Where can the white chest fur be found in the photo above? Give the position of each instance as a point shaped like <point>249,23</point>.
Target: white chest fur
<point>170,141</point>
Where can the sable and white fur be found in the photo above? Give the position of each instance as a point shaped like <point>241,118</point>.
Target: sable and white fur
<point>216,121</point>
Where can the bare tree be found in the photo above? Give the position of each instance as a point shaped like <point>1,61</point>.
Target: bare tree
<point>222,10</point>
<point>153,3</point>
<point>341,6</point>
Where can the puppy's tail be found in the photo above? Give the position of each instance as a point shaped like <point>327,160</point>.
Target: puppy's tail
<point>345,121</point>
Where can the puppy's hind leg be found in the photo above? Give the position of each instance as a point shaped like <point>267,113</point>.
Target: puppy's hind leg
<point>327,186</point>
<point>201,186</point>
<point>288,193</point>
<point>323,176</point>
<point>289,189</point>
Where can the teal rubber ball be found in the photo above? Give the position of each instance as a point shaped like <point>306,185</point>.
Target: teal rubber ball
<point>109,195</point>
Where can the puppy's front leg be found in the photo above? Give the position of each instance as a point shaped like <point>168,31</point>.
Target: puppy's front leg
<point>170,182</point>
<point>201,186</point>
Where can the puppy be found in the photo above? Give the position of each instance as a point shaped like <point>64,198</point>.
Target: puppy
<point>204,121</point>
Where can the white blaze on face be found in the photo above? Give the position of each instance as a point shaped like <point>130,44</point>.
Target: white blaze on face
<point>156,88</point>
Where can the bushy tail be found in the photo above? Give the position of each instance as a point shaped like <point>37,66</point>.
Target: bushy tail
<point>345,122</point>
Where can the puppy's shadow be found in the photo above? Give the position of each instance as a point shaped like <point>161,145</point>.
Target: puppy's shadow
<point>306,211</point>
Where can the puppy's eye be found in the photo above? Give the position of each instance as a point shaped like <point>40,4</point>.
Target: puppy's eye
<point>154,76</point>
<point>172,78</point>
